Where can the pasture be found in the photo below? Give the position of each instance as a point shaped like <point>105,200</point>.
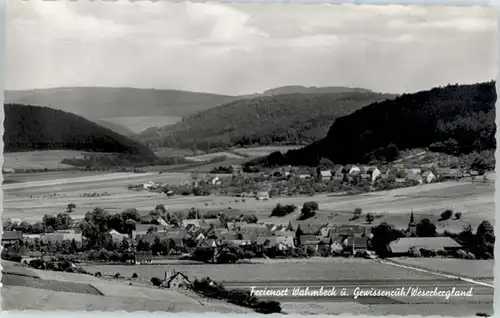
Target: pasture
<point>140,123</point>
<point>263,151</point>
<point>336,269</point>
<point>476,269</point>
<point>50,159</point>
<point>210,156</point>
<point>32,199</point>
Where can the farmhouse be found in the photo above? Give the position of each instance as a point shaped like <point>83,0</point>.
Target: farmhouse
<point>402,246</point>
<point>11,237</point>
<point>356,244</point>
<point>415,177</point>
<point>177,280</point>
<point>308,241</point>
<point>351,170</point>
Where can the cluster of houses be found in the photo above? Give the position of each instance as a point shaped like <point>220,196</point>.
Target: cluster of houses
<point>336,239</point>
<point>400,173</point>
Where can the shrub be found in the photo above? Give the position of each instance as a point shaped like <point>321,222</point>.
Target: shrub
<point>117,275</point>
<point>268,307</point>
<point>98,274</point>
<point>446,215</point>
<point>458,215</point>
<point>369,218</point>
<point>156,281</point>
<point>134,275</point>
<point>358,212</point>
<point>442,253</point>
<point>461,254</point>
<point>282,210</point>
<point>414,252</point>
<point>12,257</point>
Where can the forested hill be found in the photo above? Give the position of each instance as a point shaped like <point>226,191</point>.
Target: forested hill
<point>267,120</point>
<point>455,119</point>
<point>100,102</point>
<point>43,128</point>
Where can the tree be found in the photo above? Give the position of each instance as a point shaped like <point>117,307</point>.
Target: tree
<point>192,214</point>
<point>383,234</point>
<point>70,207</point>
<point>426,229</point>
<point>160,208</point>
<point>458,215</point>
<point>446,215</point>
<point>308,210</point>
<point>250,218</point>
<point>131,214</point>
<point>129,226</point>
<point>485,240</point>
<point>369,218</point>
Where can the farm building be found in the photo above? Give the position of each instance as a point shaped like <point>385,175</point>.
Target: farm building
<point>356,244</point>
<point>348,230</point>
<point>402,246</point>
<point>262,195</point>
<point>308,241</point>
<point>141,229</point>
<point>415,177</point>
<point>351,170</point>
<point>11,237</point>
<point>285,242</point>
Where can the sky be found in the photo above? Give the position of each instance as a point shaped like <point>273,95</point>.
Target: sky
<point>246,48</point>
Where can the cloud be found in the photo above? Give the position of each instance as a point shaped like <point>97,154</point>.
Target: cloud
<point>245,48</point>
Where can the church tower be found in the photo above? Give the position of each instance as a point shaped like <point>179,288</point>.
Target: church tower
<point>412,227</point>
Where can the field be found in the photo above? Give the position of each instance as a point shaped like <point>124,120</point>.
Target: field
<point>337,269</point>
<point>214,155</point>
<point>263,151</point>
<point>477,269</point>
<point>50,159</point>
<point>33,199</point>
<point>141,123</point>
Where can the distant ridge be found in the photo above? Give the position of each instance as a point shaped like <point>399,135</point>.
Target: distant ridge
<point>102,102</point>
<point>299,89</point>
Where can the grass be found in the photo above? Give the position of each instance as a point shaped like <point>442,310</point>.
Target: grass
<point>476,269</point>
<point>338,269</point>
<point>263,151</point>
<point>31,200</point>
<point>50,159</point>
<point>138,124</point>
<point>54,285</point>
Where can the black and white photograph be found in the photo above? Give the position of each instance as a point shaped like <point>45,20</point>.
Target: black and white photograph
<point>233,158</point>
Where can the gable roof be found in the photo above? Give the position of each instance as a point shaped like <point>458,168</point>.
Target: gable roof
<point>176,275</point>
<point>326,173</point>
<point>402,245</point>
<point>357,241</point>
<point>253,228</point>
<point>284,233</point>
<point>309,239</point>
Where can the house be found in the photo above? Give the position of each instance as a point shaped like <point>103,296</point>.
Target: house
<point>336,246</point>
<point>428,176</point>
<point>237,169</point>
<point>215,223</point>
<point>262,195</point>
<point>256,229</point>
<point>10,238</point>
<point>325,175</point>
<point>374,173</point>
<point>177,280</point>
<point>443,243</point>
<point>234,226</point>
<point>191,222</point>
<point>117,236</point>
<point>285,242</point>
<point>365,176</point>
<point>400,180</point>
<point>448,173</point>
<point>304,176</point>
<point>351,170</point>
<point>339,174</point>
<point>349,230</point>
<point>310,228</point>
<point>308,241</point>
<point>267,241</point>
<point>356,244</point>
<point>324,245</point>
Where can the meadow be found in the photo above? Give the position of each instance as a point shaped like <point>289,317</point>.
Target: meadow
<point>49,159</point>
<point>337,269</point>
<point>31,200</point>
<point>476,269</point>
